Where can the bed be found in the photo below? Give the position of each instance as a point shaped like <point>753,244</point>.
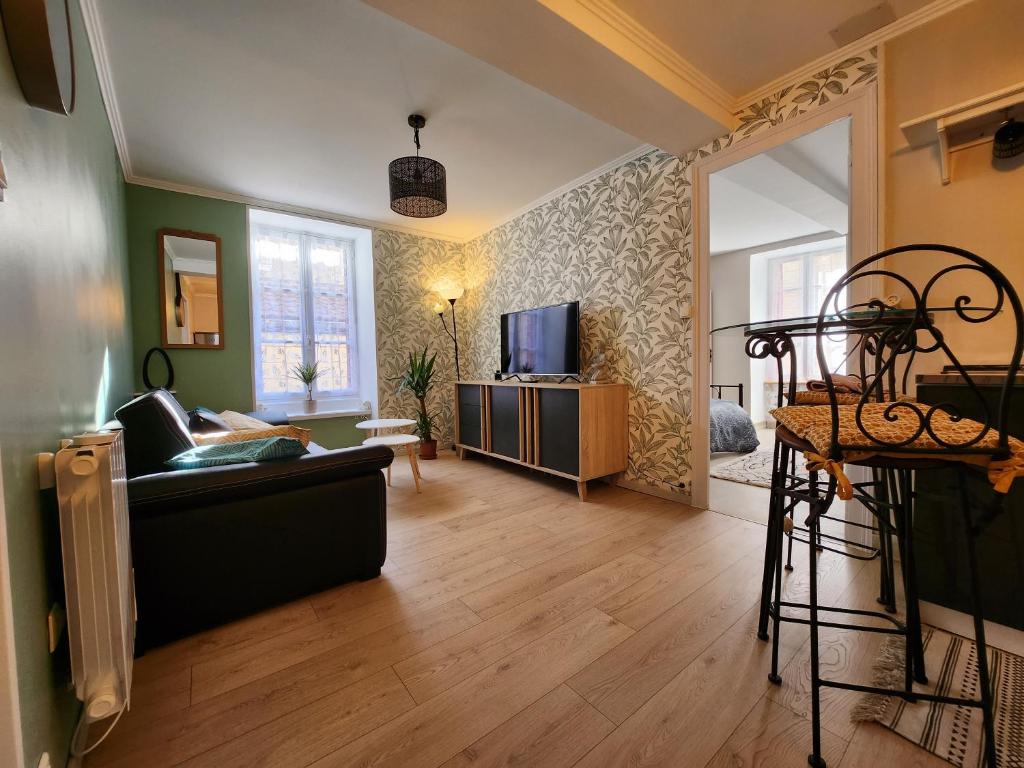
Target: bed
<point>732,430</point>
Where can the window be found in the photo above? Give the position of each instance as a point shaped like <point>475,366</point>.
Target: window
<point>797,286</point>
<point>305,304</point>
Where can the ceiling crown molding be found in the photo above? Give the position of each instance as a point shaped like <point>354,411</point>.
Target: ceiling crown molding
<point>901,26</point>
<point>646,40</point>
<point>272,205</point>
<point>101,60</point>
<point>624,36</point>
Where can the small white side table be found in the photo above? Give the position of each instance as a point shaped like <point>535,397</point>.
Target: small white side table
<point>393,441</point>
<point>374,426</point>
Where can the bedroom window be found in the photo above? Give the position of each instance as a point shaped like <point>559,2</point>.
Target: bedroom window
<point>307,306</point>
<point>797,285</point>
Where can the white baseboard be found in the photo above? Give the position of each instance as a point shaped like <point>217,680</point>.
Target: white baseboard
<point>997,635</point>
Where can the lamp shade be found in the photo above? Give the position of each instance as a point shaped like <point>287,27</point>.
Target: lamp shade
<point>449,290</point>
<point>418,187</point>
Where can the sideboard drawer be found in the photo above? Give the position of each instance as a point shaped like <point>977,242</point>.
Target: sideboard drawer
<point>470,425</point>
<point>469,394</point>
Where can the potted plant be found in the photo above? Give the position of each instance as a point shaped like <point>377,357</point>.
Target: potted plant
<point>308,373</point>
<point>418,379</point>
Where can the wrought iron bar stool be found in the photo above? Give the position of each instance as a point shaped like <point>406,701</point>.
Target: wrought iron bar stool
<point>790,487</point>
<point>900,437</point>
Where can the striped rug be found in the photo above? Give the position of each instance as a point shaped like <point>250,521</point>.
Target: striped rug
<point>953,733</point>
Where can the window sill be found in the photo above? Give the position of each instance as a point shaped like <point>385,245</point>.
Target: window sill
<point>330,413</point>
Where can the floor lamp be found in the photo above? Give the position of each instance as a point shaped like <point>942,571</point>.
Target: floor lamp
<point>452,294</point>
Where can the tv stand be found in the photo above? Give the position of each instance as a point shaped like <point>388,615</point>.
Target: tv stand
<point>560,380</point>
<point>572,430</point>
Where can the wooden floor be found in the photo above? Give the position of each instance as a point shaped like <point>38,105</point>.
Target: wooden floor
<point>515,625</point>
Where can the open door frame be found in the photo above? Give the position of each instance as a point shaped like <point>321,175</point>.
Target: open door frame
<point>864,238</point>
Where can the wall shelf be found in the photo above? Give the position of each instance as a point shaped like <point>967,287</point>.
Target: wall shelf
<point>964,125</point>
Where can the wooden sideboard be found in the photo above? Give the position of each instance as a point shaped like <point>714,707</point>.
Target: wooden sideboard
<point>575,431</point>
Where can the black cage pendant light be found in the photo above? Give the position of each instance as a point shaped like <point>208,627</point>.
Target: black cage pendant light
<point>418,187</point>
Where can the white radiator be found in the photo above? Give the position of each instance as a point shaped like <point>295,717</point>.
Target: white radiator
<point>92,492</point>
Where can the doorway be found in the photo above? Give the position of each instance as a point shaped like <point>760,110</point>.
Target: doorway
<point>780,217</point>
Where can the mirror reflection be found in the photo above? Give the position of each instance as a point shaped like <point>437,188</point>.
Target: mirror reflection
<point>190,290</point>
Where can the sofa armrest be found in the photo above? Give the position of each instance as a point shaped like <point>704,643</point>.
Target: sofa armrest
<point>175,491</point>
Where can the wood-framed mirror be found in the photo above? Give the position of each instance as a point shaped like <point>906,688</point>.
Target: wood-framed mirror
<point>191,295</point>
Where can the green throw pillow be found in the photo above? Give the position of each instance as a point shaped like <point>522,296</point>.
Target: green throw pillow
<point>238,453</point>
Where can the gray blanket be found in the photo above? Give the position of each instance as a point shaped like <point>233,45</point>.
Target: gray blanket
<point>731,428</point>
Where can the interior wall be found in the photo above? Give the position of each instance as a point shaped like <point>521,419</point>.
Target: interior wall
<point>67,348</point>
<point>216,378</point>
<point>406,268</point>
<point>615,244</point>
<point>623,245</point>
<point>408,271</point>
<point>730,305</point>
<point>980,209</point>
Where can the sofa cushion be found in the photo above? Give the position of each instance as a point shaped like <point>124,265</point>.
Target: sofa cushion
<point>240,435</point>
<point>202,420</point>
<point>237,420</point>
<point>173,491</point>
<point>242,452</point>
<point>155,429</point>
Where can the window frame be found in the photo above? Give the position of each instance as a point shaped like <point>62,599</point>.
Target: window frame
<point>807,360</point>
<point>347,398</point>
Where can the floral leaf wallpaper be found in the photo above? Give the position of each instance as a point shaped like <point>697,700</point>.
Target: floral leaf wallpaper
<point>614,244</point>
<point>407,270</point>
<point>622,244</point>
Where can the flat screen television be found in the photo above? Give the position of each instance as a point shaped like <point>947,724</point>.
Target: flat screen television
<point>542,342</point>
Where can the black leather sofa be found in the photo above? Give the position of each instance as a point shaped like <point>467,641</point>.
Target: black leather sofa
<point>214,544</point>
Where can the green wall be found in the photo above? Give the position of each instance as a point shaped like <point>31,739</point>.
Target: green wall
<point>216,378</point>
<point>333,433</point>
<point>66,349</point>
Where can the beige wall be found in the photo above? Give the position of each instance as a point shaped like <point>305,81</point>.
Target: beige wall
<point>969,52</point>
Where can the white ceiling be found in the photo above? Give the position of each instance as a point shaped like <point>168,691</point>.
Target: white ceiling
<point>797,189</point>
<point>743,44</point>
<point>306,103</point>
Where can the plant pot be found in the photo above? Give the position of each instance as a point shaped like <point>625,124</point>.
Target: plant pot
<point>309,406</point>
<point>428,449</point>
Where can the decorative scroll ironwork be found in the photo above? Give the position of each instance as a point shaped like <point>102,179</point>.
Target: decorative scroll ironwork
<point>894,337</point>
<point>778,346</point>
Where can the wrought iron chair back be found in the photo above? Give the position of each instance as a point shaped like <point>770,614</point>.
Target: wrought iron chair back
<point>862,357</point>
<point>895,337</point>
<point>777,345</point>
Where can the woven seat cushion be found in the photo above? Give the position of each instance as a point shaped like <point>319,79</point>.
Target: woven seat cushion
<point>806,397</point>
<point>820,397</point>
<point>814,424</point>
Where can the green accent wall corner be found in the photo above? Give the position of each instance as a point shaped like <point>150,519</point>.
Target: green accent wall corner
<point>220,379</point>
<point>338,432</point>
